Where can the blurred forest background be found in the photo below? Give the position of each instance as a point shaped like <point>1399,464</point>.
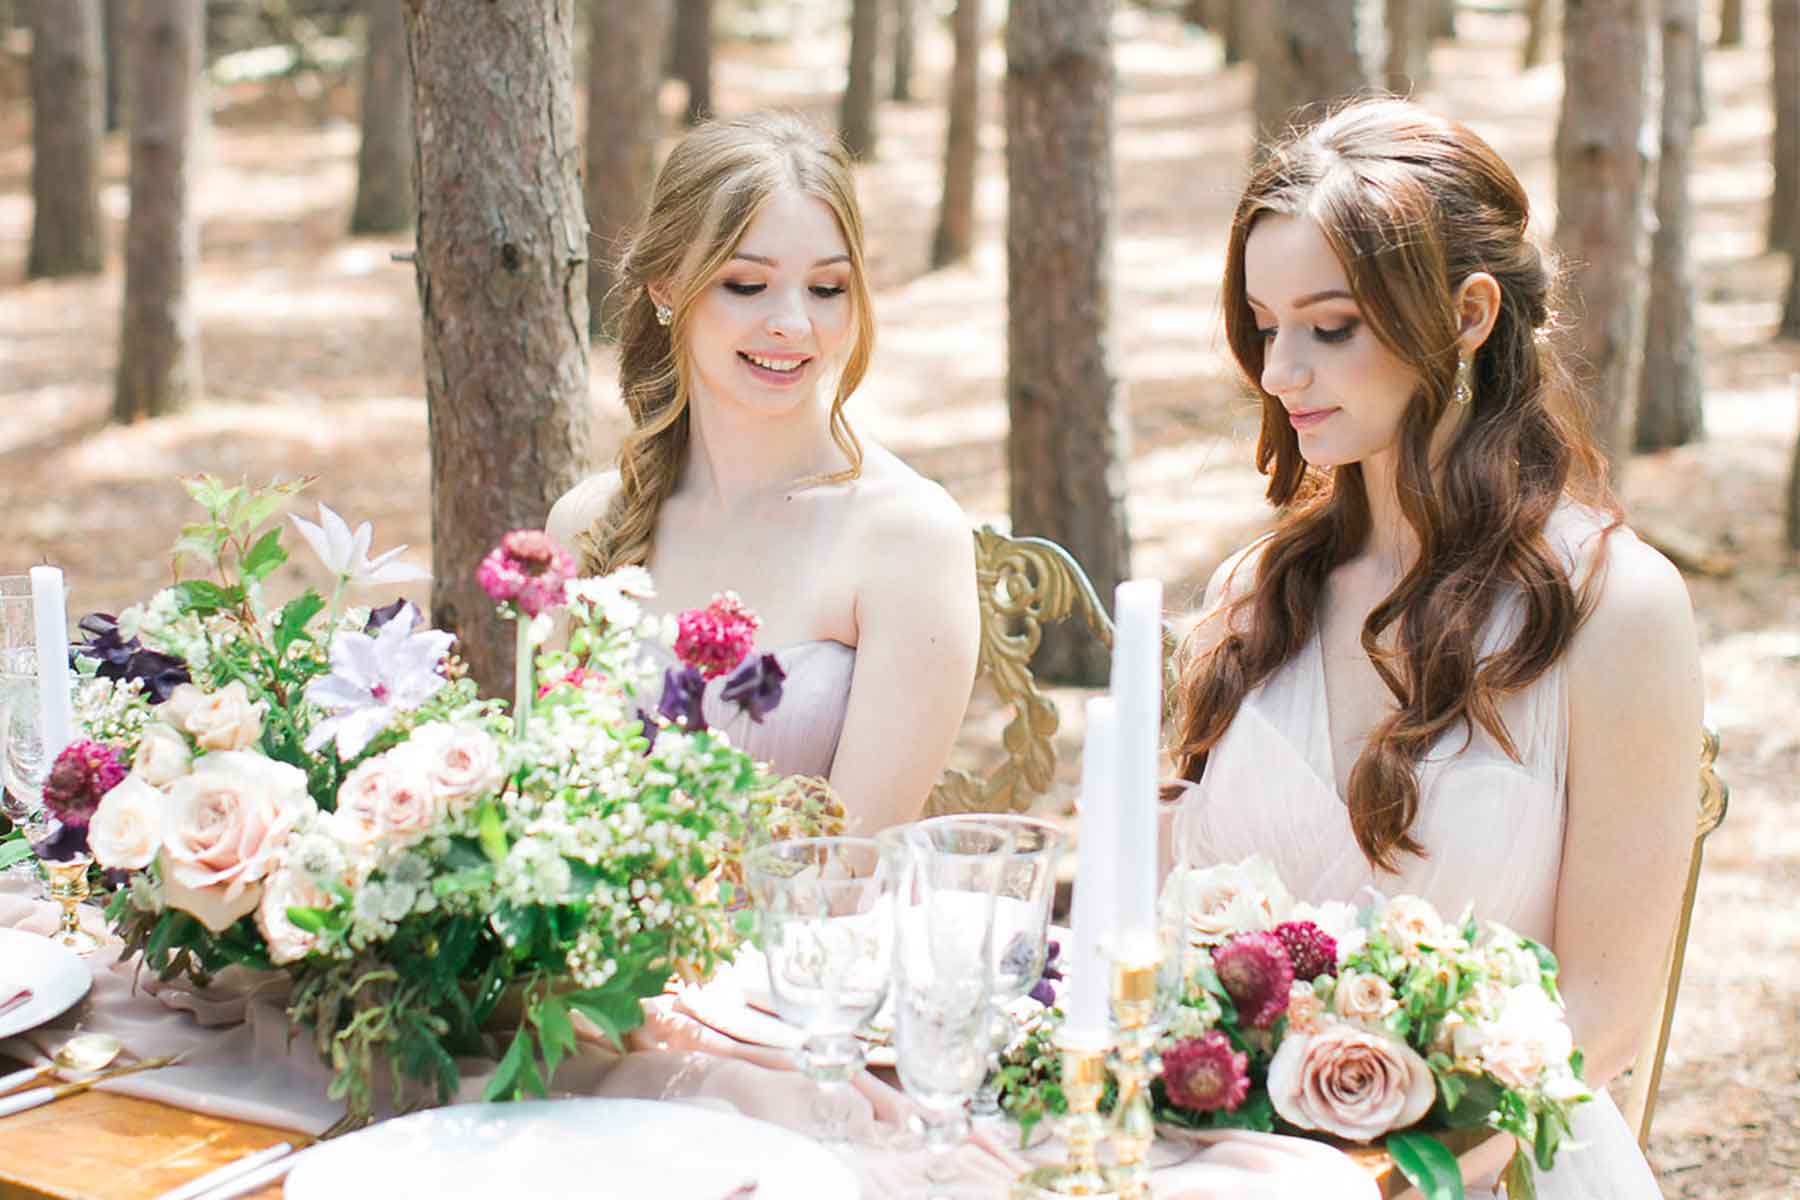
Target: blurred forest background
<point>210,260</point>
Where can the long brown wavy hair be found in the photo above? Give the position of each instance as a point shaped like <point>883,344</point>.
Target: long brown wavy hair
<point>1412,205</point>
<point>714,182</point>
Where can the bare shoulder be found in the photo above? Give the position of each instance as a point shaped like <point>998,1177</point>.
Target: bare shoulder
<point>896,509</point>
<point>576,510</point>
<point>1639,640</point>
<point>1235,576</point>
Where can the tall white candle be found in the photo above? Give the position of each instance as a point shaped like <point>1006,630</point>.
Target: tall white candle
<point>1096,893</point>
<point>1137,691</point>
<point>49,610</point>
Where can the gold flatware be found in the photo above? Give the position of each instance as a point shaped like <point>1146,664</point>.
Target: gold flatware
<point>33,1097</point>
<point>82,1053</point>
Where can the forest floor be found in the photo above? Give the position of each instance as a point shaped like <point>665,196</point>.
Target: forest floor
<point>312,360</point>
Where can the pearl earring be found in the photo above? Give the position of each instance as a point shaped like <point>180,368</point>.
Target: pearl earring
<point>664,314</point>
<point>1465,391</point>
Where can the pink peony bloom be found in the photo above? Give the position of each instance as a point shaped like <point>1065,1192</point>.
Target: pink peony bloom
<point>1205,1074</point>
<point>1255,970</point>
<point>716,638</point>
<point>81,775</point>
<point>1312,951</point>
<point>527,569</point>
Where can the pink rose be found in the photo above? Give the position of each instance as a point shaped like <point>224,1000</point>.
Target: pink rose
<point>223,720</point>
<point>387,798</point>
<point>227,821</point>
<point>1349,1081</point>
<point>1361,997</point>
<point>285,889</point>
<point>462,762</point>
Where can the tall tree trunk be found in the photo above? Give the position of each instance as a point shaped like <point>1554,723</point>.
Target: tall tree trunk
<point>384,162</point>
<point>67,103</point>
<point>159,356</point>
<point>1067,444</point>
<point>955,236</point>
<point>691,56</point>
<point>114,39</point>
<point>1603,174</point>
<point>1731,23</point>
<point>1793,487</point>
<point>1784,49</point>
<point>1540,15</point>
<point>1443,18</point>
<point>856,111</point>
<point>1236,17</point>
<point>623,124</point>
<point>1310,53</point>
<point>905,30</point>
<point>1408,45</point>
<point>502,278</point>
<point>1669,411</point>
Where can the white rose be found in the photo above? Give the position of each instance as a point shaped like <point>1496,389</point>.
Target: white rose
<point>225,719</point>
<point>1214,903</point>
<point>227,821</point>
<point>1528,1038</point>
<point>461,761</point>
<point>287,888</point>
<point>162,755</point>
<point>127,828</point>
<point>1361,997</point>
<point>1410,923</point>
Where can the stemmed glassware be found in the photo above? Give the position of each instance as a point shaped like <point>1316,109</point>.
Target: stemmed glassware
<point>20,803</point>
<point>825,908</point>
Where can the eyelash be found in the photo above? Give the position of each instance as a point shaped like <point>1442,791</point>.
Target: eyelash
<point>822,291</point>
<point>1330,337</point>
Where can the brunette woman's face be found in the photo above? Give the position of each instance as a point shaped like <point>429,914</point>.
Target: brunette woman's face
<point>1344,391</point>
<point>775,319</point>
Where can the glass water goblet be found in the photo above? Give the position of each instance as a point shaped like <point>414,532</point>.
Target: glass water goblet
<point>824,906</point>
<point>944,975</point>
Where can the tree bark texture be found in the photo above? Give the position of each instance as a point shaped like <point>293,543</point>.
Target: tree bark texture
<point>1784,48</point>
<point>691,56</point>
<point>1408,45</point>
<point>1731,23</point>
<point>159,354</point>
<point>905,30</point>
<point>1540,16</point>
<point>623,124</point>
<point>1793,487</point>
<point>1443,18</point>
<point>1604,139</point>
<point>67,112</point>
<point>1790,308</point>
<point>1067,443</point>
<point>502,279</point>
<point>856,109</point>
<point>1669,412</point>
<point>114,38</point>
<point>955,236</point>
<point>1310,53</point>
<point>384,161</point>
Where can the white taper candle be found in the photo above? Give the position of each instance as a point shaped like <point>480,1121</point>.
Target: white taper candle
<point>49,611</point>
<point>1137,691</point>
<point>1096,892</point>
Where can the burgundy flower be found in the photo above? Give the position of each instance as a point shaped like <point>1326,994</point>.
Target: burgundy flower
<point>1257,975</point>
<point>126,658</point>
<point>716,638</point>
<point>755,687</point>
<point>80,776</point>
<point>528,569</point>
<point>62,842</point>
<point>1205,1074</point>
<point>684,690</point>
<point>1311,950</point>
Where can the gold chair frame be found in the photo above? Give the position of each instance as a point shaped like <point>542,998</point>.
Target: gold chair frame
<point>1646,1071</point>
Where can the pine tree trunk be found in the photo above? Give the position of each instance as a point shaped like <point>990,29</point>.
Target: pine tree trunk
<point>1793,487</point>
<point>502,281</point>
<point>1731,23</point>
<point>623,124</point>
<point>1067,444</point>
<point>67,113</point>
<point>1784,48</point>
<point>1669,412</point>
<point>955,236</point>
<point>1237,19</point>
<point>384,163</point>
<point>904,32</point>
<point>1310,53</point>
<point>856,111</point>
<point>1408,45</point>
<point>159,356</point>
<point>1540,15</point>
<point>691,56</point>
<point>114,38</point>
<point>1443,19</point>
<point>1603,176</point>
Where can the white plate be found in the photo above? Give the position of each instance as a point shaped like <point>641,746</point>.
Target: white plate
<point>55,974</point>
<point>600,1148</point>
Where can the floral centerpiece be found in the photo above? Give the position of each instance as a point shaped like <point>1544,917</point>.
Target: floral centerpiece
<point>1374,1024</point>
<point>318,789</point>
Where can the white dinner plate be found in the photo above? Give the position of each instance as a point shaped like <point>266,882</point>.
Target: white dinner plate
<point>595,1147</point>
<point>55,974</point>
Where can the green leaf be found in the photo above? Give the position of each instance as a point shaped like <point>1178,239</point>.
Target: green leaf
<point>492,833</point>
<point>1427,1165</point>
<point>202,598</point>
<point>556,1033</point>
<point>312,920</point>
<point>616,1012</point>
<point>1466,1100</point>
<point>516,926</point>
<point>263,557</point>
<point>291,622</point>
<point>1517,1179</point>
<point>16,850</point>
<point>506,1076</point>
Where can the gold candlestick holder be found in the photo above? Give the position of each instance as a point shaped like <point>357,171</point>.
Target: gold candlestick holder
<point>1082,1127</point>
<point>1134,1064</point>
<point>68,886</point>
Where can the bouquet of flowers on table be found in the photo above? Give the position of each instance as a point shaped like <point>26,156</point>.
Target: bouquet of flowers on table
<point>1367,1025</point>
<point>319,789</point>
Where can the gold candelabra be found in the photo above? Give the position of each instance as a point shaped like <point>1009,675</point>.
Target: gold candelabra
<point>1082,1127</point>
<point>1134,1063</point>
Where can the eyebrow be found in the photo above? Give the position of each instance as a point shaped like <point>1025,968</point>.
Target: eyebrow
<point>769,262</point>
<point>1309,299</point>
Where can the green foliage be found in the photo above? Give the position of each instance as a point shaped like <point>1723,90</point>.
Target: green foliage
<point>1427,1164</point>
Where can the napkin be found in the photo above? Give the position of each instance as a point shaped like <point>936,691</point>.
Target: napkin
<point>13,995</point>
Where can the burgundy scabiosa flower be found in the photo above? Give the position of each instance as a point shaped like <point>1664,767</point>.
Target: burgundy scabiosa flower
<point>527,569</point>
<point>755,687</point>
<point>80,776</point>
<point>716,638</point>
<point>1257,975</point>
<point>1311,950</point>
<point>1205,1074</point>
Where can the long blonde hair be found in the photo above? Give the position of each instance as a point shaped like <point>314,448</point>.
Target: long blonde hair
<point>714,183</point>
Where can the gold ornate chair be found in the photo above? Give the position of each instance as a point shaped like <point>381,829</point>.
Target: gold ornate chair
<point>1646,1072</point>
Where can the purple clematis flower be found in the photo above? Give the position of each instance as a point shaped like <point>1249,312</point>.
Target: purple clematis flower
<point>373,680</point>
<point>1044,991</point>
<point>684,691</point>
<point>755,687</point>
<point>125,659</point>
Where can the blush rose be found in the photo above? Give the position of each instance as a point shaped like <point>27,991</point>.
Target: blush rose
<point>1349,1081</point>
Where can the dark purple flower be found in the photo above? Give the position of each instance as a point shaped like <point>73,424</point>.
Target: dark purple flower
<point>62,843</point>
<point>1205,1074</point>
<point>755,687</point>
<point>387,612</point>
<point>1312,951</point>
<point>1257,975</point>
<point>80,776</point>
<point>649,721</point>
<point>1044,991</point>
<point>123,659</point>
<point>684,689</point>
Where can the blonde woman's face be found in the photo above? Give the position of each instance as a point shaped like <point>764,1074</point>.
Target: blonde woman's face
<point>776,319</point>
<point>1344,391</point>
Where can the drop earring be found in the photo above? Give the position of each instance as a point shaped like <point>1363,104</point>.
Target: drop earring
<point>1465,391</point>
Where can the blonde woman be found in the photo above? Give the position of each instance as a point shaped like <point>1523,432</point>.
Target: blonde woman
<point>745,330</point>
